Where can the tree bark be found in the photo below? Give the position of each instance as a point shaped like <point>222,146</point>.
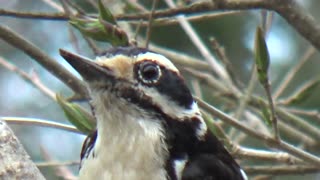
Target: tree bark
<point>15,163</point>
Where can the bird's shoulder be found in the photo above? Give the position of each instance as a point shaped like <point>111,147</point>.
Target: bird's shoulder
<point>211,161</point>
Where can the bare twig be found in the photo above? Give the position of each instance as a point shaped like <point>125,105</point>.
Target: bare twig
<point>61,171</point>
<point>150,22</point>
<point>263,155</point>
<point>40,122</point>
<point>56,163</point>
<point>312,113</point>
<point>33,80</point>
<point>276,143</point>
<point>221,54</point>
<point>192,18</point>
<point>53,5</point>
<point>34,15</point>
<point>281,170</point>
<point>290,10</point>
<point>293,71</point>
<point>194,37</point>
<point>257,102</point>
<point>181,59</point>
<point>47,62</point>
<point>243,101</point>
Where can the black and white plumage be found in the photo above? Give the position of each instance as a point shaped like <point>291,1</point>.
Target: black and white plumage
<point>148,125</point>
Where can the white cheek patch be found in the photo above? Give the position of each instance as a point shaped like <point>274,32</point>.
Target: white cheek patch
<point>179,166</point>
<point>177,112</point>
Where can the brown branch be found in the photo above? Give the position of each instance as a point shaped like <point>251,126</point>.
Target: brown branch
<point>40,122</point>
<point>279,144</point>
<point>290,10</point>
<point>61,171</point>
<point>43,59</point>
<point>281,170</point>
<point>32,79</point>
<point>150,22</point>
<point>57,163</point>
<point>34,15</point>
<point>15,163</point>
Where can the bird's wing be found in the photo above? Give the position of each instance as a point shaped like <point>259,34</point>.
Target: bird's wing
<point>88,145</point>
<point>211,167</point>
<point>212,162</point>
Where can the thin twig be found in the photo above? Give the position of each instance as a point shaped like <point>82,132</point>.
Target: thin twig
<point>281,170</point>
<point>257,102</point>
<point>290,10</point>
<point>293,71</point>
<point>190,18</point>
<point>53,5</point>
<point>42,58</point>
<point>180,58</point>
<point>162,21</point>
<point>34,15</point>
<point>150,22</point>
<point>312,113</point>
<point>194,37</point>
<point>61,171</point>
<point>32,79</point>
<point>263,155</point>
<point>243,101</point>
<point>276,143</point>
<point>40,122</point>
<point>297,122</point>
<point>56,163</point>
<point>221,54</point>
<point>76,7</point>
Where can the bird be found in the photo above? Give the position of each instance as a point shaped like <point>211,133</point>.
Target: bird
<point>149,126</point>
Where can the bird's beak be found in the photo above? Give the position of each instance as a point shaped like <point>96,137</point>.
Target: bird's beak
<point>89,70</point>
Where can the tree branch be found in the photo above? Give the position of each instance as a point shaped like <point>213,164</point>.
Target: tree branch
<point>42,58</point>
<point>290,10</point>
<point>15,163</point>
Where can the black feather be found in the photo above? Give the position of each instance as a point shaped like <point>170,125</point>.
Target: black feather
<point>88,146</point>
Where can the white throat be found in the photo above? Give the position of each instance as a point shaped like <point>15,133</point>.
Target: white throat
<point>128,145</point>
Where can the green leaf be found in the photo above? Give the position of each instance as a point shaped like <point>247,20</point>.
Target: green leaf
<point>90,28</point>
<point>115,35</point>
<point>79,117</point>
<point>261,56</point>
<point>101,30</point>
<point>104,28</point>
<point>105,14</point>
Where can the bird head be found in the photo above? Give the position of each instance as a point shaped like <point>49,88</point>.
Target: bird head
<point>138,78</point>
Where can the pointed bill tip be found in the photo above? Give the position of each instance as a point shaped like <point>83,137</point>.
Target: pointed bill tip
<point>85,67</point>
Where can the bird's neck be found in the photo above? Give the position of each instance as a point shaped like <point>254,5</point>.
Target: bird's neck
<point>130,145</point>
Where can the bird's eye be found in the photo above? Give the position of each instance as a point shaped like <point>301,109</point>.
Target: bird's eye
<point>149,72</point>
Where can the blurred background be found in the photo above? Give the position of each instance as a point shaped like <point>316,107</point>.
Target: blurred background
<point>235,32</point>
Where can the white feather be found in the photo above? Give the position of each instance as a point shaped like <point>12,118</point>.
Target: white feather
<point>178,166</point>
<point>129,144</point>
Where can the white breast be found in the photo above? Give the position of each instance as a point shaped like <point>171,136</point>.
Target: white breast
<point>127,147</point>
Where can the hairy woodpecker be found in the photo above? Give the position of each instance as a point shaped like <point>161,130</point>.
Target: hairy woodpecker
<point>148,125</point>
